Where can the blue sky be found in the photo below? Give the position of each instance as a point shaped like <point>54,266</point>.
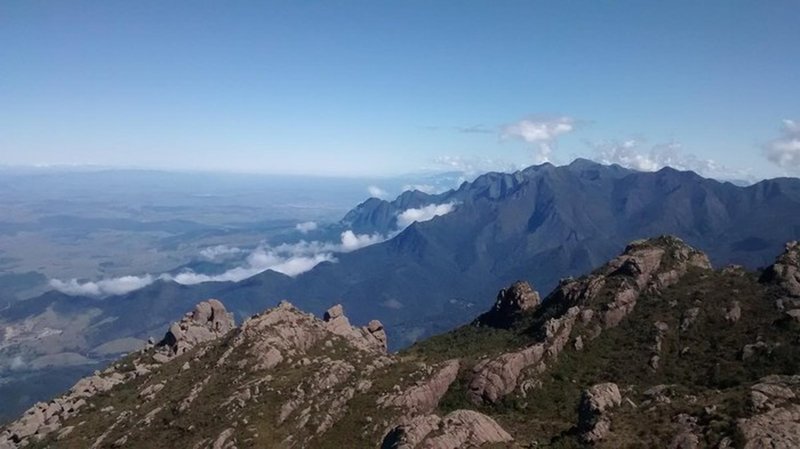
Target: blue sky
<point>381,88</point>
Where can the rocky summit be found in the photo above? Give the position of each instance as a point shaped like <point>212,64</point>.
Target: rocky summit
<point>653,349</point>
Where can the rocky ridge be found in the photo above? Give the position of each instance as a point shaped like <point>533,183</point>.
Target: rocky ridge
<point>599,301</point>
<point>653,349</point>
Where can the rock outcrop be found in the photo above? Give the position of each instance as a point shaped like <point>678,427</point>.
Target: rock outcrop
<point>661,331</point>
<point>645,266</point>
<point>776,425</point>
<point>734,312</point>
<point>280,335</point>
<point>494,378</point>
<point>785,272</point>
<point>426,394</point>
<point>208,320</point>
<point>458,429</point>
<point>372,336</point>
<point>43,419</point>
<point>510,302</point>
<point>594,420</point>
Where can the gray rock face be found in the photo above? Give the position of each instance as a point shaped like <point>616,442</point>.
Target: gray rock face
<point>459,429</point>
<point>411,432</point>
<point>776,425</point>
<point>519,297</point>
<point>425,396</point>
<point>786,270</point>
<point>494,378</point>
<point>594,421</point>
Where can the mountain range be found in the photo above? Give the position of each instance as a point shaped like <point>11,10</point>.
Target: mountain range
<point>540,224</point>
<point>654,348</point>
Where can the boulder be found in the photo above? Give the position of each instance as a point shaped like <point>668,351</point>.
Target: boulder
<point>689,317</point>
<point>594,421</point>
<point>376,331</point>
<point>734,312</point>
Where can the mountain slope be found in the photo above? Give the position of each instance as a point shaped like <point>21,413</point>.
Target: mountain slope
<point>653,349</point>
<point>541,224</point>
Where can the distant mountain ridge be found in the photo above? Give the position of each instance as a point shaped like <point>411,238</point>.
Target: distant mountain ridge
<point>539,224</point>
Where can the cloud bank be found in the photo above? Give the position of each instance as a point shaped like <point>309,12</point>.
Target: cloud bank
<point>220,252</point>
<point>259,261</point>
<point>637,155</point>
<point>290,259</point>
<point>105,287</point>
<point>785,150</point>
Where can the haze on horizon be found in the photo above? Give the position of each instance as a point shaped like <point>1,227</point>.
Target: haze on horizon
<point>360,88</point>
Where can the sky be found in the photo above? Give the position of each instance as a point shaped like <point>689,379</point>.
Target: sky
<point>354,88</point>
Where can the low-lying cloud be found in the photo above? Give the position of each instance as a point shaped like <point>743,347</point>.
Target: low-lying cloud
<point>259,261</point>
<point>105,287</point>
<point>220,252</point>
<point>306,227</point>
<point>785,150</point>
<point>352,241</point>
<point>291,259</point>
<point>425,213</point>
<point>377,192</point>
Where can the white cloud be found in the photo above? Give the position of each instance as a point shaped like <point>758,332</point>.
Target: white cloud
<point>635,154</point>
<point>260,260</point>
<point>306,227</point>
<point>377,192</point>
<point>290,259</point>
<point>352,241</point>
<point>220,252</point>
<point>542,133</point>
<point>474,165</point>
<point>785,150</point>
<point>113,286</point>
<point>425,213</point>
